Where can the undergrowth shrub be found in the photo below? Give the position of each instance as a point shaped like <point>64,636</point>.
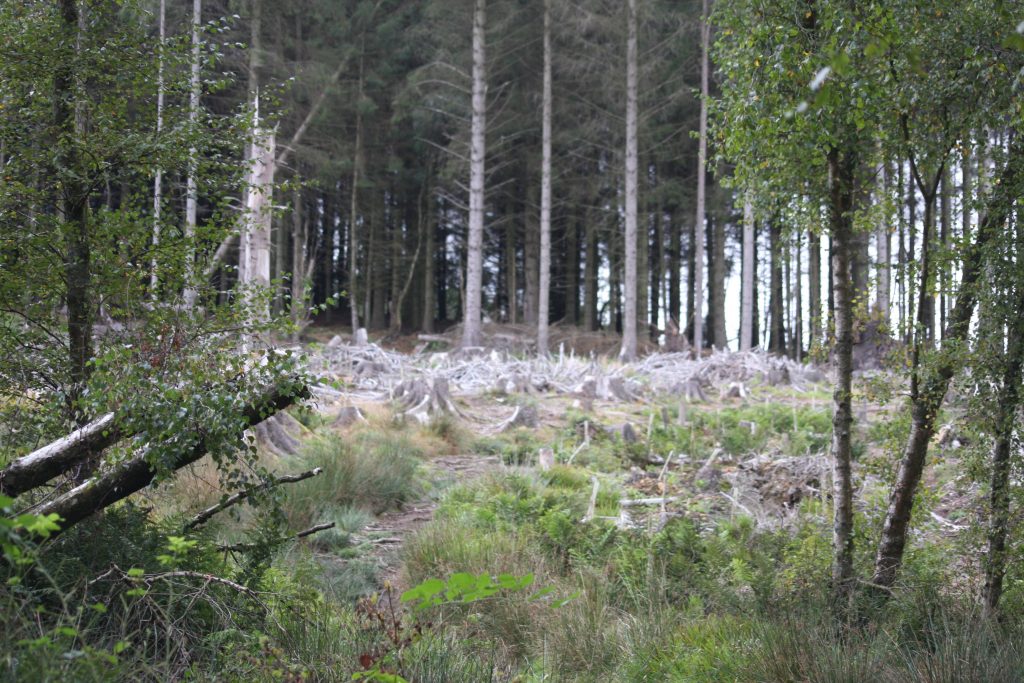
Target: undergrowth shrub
<point>371,470</point>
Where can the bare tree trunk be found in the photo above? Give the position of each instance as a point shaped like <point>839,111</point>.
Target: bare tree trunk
<point>353,239</point>
<point>747,295</point>
<point>798,299</point>
<point>776,306</point>
<point>814,284</point>
<point>702,153</point>
<point>590,271</point>
<point>429,275</point>
<point>629,342</point>
<point>928,394</point>
<point>255,63</point>
<point>692,312</point>
<point>531,252</point>
<point>38,467</point>
<point>717,289</point>
<point>191,182</point>
<point>841,169</point>
<point>657,261</point>
<point>965,194</point>
<point>259,213</point>
<point>68,118</point>
<point>901,256</point>
<point>136,472</point>
<point>545,195</point>
<point>675,251</point>
<point>572,270</point>
<point>883,243</point>
<point>511,282</point>
<point>474,256</point>
<point>300,261</point>
<point>946,218</point>
<point>158,181</point>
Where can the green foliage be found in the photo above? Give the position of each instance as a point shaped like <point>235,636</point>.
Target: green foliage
<point>371,470</point>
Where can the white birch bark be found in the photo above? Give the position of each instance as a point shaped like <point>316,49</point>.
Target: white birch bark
<point>545,195</point>
<point>702,153</point>
<point>258,210</point>
<point>628,351</point>
<point>747,296</point>
<point>883,250</point>
<point>158,181</point>
<point>474,247</point>
<point>191,189</point>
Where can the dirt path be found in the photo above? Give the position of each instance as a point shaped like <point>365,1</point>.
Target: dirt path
<point>388,532</point>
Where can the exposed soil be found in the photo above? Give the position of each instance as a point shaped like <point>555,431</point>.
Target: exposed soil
<point>388,532</point>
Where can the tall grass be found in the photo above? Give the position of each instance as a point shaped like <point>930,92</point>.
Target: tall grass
<point>374,471</point>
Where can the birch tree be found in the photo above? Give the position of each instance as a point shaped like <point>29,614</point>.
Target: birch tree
<point>158,180</point>
<point>191,188</point>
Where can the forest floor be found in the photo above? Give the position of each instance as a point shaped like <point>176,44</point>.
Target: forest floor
<point>730,434</point>
<point>671,498</point>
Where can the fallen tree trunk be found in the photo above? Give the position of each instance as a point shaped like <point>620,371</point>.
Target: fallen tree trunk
<point>42,465</point>
<point>109,486</point>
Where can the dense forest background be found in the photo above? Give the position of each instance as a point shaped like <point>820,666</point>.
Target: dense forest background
<point>327,243</point>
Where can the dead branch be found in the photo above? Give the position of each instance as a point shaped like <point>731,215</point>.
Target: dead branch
<point>242,547</point>
<point>209,512</point>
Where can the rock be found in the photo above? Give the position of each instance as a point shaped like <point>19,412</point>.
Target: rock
<point>334,343</point>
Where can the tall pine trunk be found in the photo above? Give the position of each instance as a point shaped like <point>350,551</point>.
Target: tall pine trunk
<point>629,343</point>
<point>716,301</point>
<point>702,153</point>
<point>544,288</point>
<point>475,242</point>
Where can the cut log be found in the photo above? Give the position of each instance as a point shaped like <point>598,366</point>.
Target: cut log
<point>347,416</point>
<point>122,480</point>
<point>38,467</point>
<point>522,416</point>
